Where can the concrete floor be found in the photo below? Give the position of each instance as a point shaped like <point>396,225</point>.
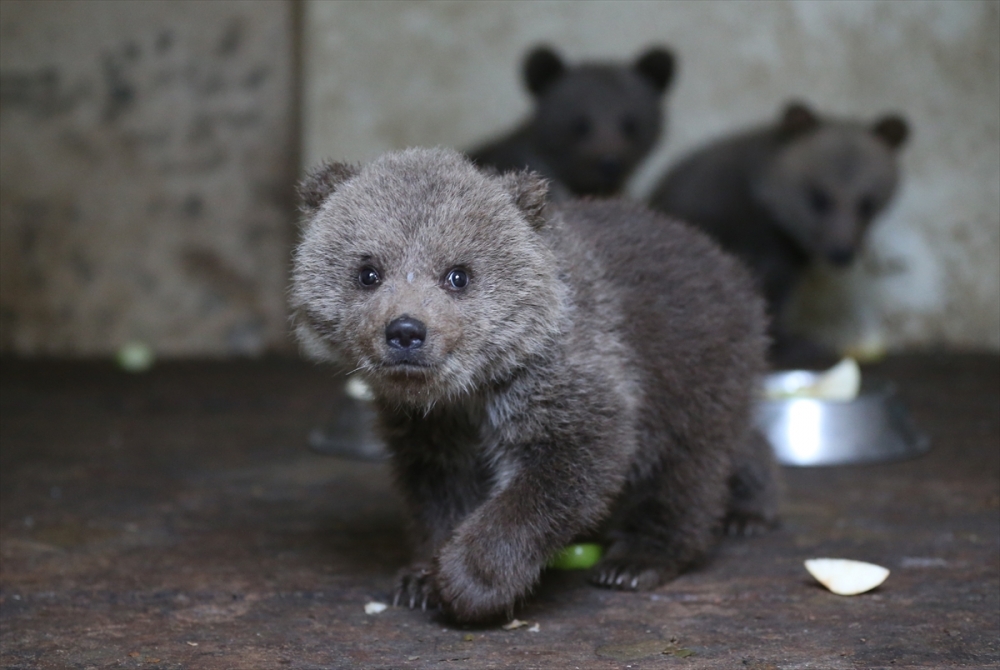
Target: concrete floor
<point>176,519</point>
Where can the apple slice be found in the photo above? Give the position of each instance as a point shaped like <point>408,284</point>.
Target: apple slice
<point>845,577</point>
<point>840,383</point>
<point>374,607</point>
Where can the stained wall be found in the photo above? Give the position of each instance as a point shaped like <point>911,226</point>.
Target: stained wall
<point>146,165</point>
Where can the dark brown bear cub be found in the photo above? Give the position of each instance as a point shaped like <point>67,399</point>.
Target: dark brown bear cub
<point>592,124</point>
<point>540,373</point>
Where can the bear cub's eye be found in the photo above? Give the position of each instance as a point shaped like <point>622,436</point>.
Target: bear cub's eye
<point>580,127</point>
<point>368,276</point>
<point>819,200</point>
<point>866,207</point>
<point>630,127</point>
<point>456,279</point>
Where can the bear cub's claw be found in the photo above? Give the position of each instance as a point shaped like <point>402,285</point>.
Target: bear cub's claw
<point>625,575</point>
<point>742,525</point>
<point>415,588</point>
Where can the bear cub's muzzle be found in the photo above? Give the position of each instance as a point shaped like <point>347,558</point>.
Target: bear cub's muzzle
<point>405,336</point>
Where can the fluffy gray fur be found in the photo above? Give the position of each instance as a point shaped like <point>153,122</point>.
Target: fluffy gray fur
<point>783,196</point>
<point>594,377</point>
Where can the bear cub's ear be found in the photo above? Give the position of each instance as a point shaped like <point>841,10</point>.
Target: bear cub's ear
<point>657,66</point>
<point>542,68</point>
<point>797,120</point>
<point>530,191</point>
<point>320,182</point>
<point>892,129</point>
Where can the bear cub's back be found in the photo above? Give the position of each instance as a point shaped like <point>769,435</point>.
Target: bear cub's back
<point>658,269</point>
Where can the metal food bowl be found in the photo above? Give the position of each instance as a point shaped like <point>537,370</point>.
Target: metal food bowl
<point>350,433</point>
<point>872,428</point>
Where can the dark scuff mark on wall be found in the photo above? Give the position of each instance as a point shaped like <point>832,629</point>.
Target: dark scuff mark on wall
<point>120,93</point>
<point>232,39</point>
<point>40,92</point>
<point>209,268</point>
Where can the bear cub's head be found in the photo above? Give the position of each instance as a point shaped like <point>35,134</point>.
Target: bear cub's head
<point>424,274</point>
<point>828,179</point>
<point>594,123</point>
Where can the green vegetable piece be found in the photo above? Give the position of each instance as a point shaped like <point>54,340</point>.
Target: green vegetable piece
<point>576,557</point>
<point>135,357</point>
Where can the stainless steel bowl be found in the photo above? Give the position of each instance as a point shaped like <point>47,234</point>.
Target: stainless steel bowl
<point>350,433</point>
<point>872,428</point>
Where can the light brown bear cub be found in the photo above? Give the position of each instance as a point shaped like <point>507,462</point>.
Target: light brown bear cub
<point>541,374</point>
<point>786,195</point>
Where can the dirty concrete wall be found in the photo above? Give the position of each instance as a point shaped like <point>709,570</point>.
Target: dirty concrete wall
<point>388,75</point>
<point>147,148</point>
<point>146,158</point>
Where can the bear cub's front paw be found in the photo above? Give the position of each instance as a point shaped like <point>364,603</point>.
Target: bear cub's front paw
<point>415,587</point>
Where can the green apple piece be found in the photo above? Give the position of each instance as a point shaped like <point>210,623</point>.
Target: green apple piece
<point>135,357</point>
<point>576,557</point>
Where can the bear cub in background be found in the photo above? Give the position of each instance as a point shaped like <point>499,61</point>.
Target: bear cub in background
<point>785,196</point>
<point>540,374</point>
<point>592,123</point>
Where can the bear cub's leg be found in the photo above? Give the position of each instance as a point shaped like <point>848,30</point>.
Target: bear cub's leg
<point>753,488</point>
<point>661,532</point>
<point>669,527</point>
<point>440,493</point>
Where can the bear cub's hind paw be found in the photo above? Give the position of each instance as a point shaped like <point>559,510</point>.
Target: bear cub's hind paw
<point>747,525</point>
<point>626,575</point>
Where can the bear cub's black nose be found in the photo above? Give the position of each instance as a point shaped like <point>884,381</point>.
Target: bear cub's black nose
<point>609,168</point>
<point>405,333</point>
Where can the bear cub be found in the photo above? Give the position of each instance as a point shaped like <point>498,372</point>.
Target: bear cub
<point>592,123</point>
<point>541,372</point>
<point>781,197</point>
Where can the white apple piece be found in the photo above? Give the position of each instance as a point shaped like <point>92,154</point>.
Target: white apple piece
<point>374,607</point>
<point>840,383</point>
<point>846,577</point>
